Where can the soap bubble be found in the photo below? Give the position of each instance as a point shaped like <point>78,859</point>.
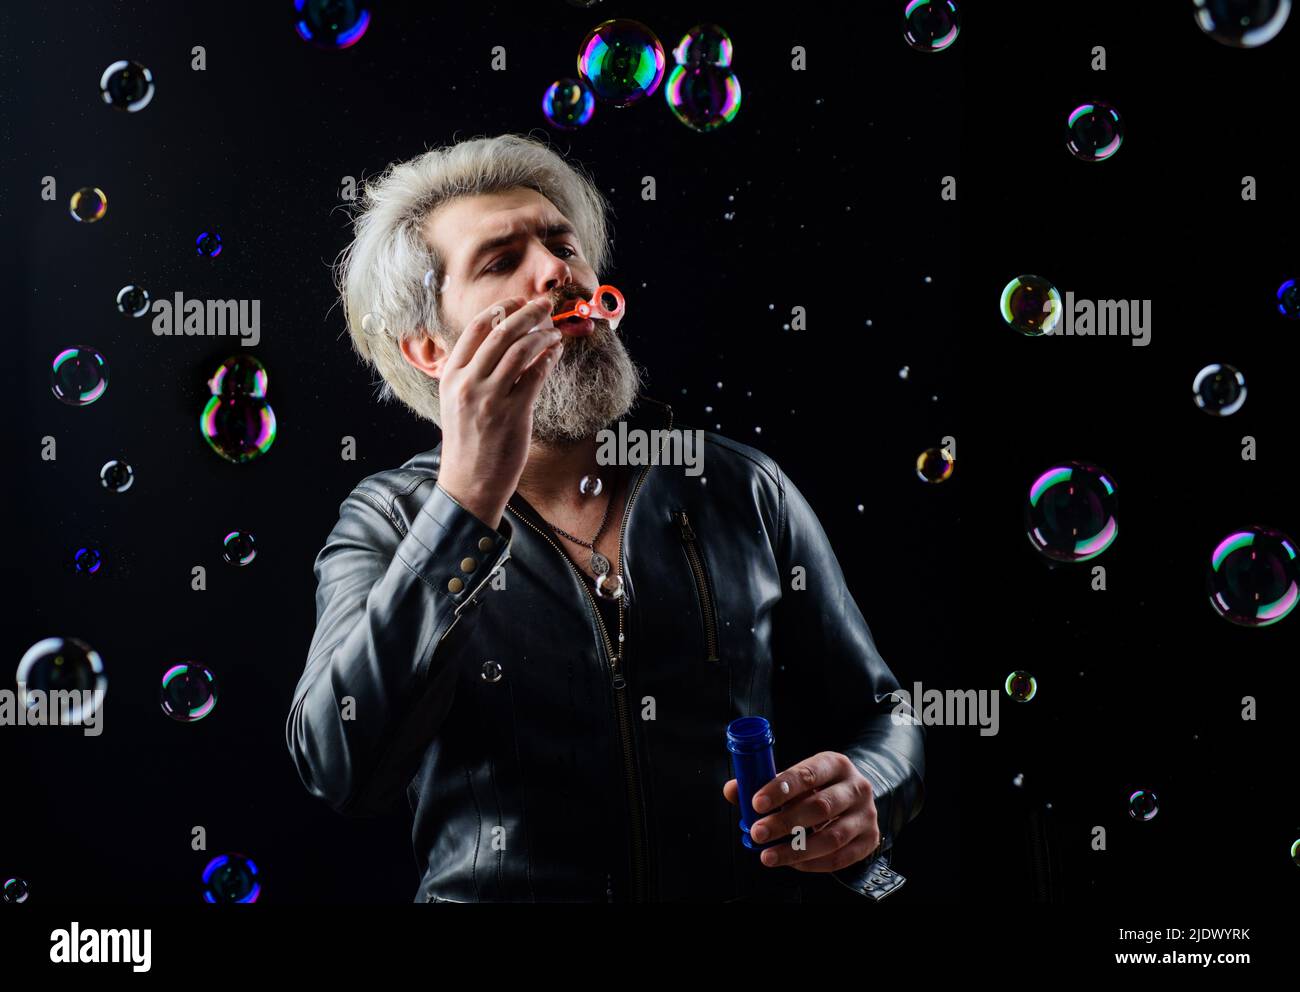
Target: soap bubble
<point>127,86</point>
<point>231,878</point>
<point>934,465</point>
<point>79,376</point>
<point>622,60</point>
<point>133,300</point>
<point>931,25</point>
<point>15,890</point>
<point>238,428</point>
<point>1143,805</point>
<point>1295,853</point>
<point>1021,686</point>
<point>1288,300</point>
<point>59,664</point>
<point>1095,131</point>
<point>239,375</point>
<point>117,476</point>
<point>567,104</point>
<point>609,586</point>
<point>1242,23</point>
<point>1070,512</point>
<point>189,692</point>
<point>1031,305</point>
<point>208,243</point>
<point>87,559</point>
<point>590,485</point>
<point>330,24</point>
<point>704,44</point>
<point>703,97</point>
<point>238,547</point>
<point>88,204</point>
<point>1219,390</point>
<point>1252,579</point>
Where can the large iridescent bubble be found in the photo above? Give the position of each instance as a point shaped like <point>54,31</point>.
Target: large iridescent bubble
<point>1094,131</point>
<point>189,692</point>
<point>1253,580</point>
<point>1288,300</point>
<point>705,44</point>
<point>1070,512</point>
<point>622,61</point>
<point>88,205</point>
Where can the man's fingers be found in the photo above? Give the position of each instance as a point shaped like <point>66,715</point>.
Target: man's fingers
<point>479,327</point>
<point>820,770</point>
<point>732,792</point>
<point>535,314</point>
<point>809,812</point>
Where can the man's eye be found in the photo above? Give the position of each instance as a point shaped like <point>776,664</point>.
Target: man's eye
<point>496,266</point>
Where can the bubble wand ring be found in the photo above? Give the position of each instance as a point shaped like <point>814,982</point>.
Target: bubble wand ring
<point>595,307</point>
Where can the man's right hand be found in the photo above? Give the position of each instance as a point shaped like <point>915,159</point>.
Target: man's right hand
<point>486,394</point>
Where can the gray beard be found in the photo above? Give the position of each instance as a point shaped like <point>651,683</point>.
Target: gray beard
<point>594,385</point>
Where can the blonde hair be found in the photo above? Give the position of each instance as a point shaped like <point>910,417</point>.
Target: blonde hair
<point>381,275</point>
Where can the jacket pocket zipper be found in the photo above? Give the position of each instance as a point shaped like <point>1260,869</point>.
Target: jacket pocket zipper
<point>691,546</point>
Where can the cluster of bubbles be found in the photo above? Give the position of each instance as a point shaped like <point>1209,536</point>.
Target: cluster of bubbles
<point>330,24</point>
<point>931,25</point>
<point>1252,576</point>
<point>67,664</point>
<point>622,62</point>
<point>79,375</point>
<point>238,422</point>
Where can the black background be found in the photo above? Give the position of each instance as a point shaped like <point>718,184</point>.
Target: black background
<point>257,146</point>
<point>1140,686</point>
<point>835,174</point>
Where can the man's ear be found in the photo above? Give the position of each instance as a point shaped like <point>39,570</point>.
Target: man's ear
<point>427,352</point>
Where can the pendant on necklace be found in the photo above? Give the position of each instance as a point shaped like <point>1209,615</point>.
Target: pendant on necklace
<point>599,563</point>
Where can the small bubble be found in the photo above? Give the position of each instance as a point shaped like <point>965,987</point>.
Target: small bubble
<point>1219,390</point>
<point>127,86</point>
<point>902,373</point>
<point>230,878</point>
<point>189,692</point>
<point>1021,686</point>
<point>88,204</point>
<point>1143,805</point>
<point>133,300</point>
<point>117,476</point>
<point>238,548</point>
<point>208,244</point>
<point>928,280</point>
<point>79,376</point>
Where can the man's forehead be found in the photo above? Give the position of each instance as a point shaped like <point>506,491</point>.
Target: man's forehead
<point>460,226</point>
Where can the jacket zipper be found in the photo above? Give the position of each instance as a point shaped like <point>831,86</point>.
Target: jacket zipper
<point>701,583</point>
<point>631,779</point>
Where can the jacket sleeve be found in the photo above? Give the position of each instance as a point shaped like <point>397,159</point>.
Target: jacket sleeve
<point>824,634</point>
<point>376,688</point>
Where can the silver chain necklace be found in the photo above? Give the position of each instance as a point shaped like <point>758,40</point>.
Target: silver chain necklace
<point>599,563</point>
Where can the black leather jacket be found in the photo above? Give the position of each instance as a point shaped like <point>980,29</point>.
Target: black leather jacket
<point>468,670</point>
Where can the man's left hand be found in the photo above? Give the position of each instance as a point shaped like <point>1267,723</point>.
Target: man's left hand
<point>825,794</point>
